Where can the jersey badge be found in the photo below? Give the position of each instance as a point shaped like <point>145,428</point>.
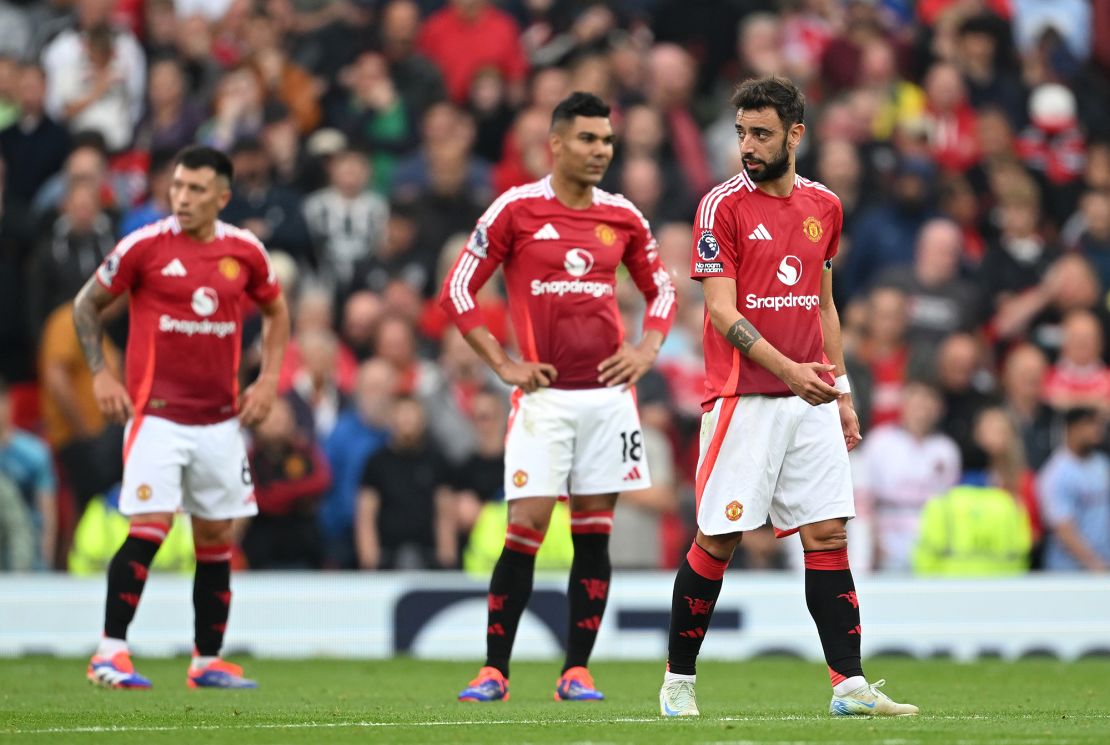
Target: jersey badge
<point>144,492</point>
<point>229,267</point>
<point>734,510</point>
<point>811,226</point>
<point>708,248</point>
<point>520,478</point>
<point>605,234</point>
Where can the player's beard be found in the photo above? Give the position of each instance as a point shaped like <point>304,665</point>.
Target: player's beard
<point>772,170</point>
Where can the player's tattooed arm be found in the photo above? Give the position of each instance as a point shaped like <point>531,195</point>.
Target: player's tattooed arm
<point>92,299</point>
<point>743,335</point>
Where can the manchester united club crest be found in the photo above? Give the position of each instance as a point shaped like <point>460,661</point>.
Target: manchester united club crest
<point>734,510</point>
<point>520,478</point>
<point>811,226</point>
<point>605,234</point>
<point>229,267</point>
<point>144,492</point>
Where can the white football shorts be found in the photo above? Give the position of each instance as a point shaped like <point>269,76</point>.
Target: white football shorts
<point>200,469</point>
<point>574,442</point>
<point>771,455</point>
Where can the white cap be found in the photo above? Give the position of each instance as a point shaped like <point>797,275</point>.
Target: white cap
<point>1052,106</point>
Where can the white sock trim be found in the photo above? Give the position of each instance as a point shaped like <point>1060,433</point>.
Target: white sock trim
<point>669,676</point>
<point>199,663</point>
<point>848,685</point>
<point>109,647</point>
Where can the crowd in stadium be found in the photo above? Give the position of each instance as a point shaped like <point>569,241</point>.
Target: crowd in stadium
<point>968,141</point>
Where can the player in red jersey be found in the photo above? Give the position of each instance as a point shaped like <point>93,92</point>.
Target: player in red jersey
<point>779,420</point>
<point>574,428</point>
<point>189,276</point>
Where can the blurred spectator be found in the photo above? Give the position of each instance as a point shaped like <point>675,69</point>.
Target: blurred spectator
<point>951,120</point>
<point>34,147</point>
<point>94,94</point>
<point>883,236</point>
<point>1023,375</point>
<point>525,156</point>
<point>368,109</point>
<point>397,256</point>
<point>1079,378</point>
<point>87,163</point>
<point>1021,255</point>
<point>172,118</point>
<point>312,314</point>
<point>995,434</point>
<point>290,476</point>
<point>360,318</point>
<point>670,90</point>
<point>102,529</point>
<point>448,137</point>
<point>886,353</point>
<point>493,115</point>
<point>101,67</point>
<point>480,478</point>
<point>939,301</point>
<point>419,82</point>
<point>359,432</point>
<point>314,396</point>
<point>1053,146</point>
<point>897,101</point>
<point>347,222</point>
<point>902,466</point>
<point>958,202</point>
<point>25,463</point>
<point>964,383</point>
<point>157,204</point>
<point>973,531</point>
<point>396,344</point>
<point>463,377</point>
<point>73,247</point>
<point>282,79</point>
<point>273,213</point>
<point>89,449</point>
<point>643,138</point>
<point>406,516</point>
<point>468,35</point>
<point>237,110</point>
<point>1071,19</point>
<point>983,51</point>
<point>1093,243</point>
<point>1074,488</point>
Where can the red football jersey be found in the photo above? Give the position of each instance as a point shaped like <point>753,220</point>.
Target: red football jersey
<point>775,248</point>
<point>187,301</point>
<point>561,275</point>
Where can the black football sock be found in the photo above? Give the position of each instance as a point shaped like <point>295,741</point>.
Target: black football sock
<point>696,587</point>
<point>127,576</point>
<point>831,597</point>
<point>211,598</point>
<point>588,587</point>
<point>509,590</point>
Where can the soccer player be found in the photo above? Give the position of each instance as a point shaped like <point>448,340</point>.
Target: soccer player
<point>573,427</point>
<point>778,420</point>
<point>189,276</point>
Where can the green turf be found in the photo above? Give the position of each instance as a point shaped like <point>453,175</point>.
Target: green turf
<point>45,700</point>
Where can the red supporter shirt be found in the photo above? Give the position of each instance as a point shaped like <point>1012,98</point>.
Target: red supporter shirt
<point>461,48</point>
<point>775,248</point>
<point>187,302</point>
<point>561,274</point>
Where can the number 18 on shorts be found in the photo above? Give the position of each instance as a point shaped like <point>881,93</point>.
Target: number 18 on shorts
<point>574,442</point>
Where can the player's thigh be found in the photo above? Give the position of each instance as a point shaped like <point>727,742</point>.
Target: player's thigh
<point>539,446</point>
<point>609,454</point>
<point>156,452</point>
<point>816,479</point>
<point>743,442</point>
<point>218,483</point>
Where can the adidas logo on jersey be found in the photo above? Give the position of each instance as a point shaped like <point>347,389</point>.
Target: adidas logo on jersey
<point>760,234</point>
<point>546,233</point>
<point>633,475</point>
<point>174,269</point>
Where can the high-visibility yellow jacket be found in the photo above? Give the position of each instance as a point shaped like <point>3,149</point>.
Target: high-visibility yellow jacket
<point>973,531</point>
<point>102,530</point>
<point>487,539</point>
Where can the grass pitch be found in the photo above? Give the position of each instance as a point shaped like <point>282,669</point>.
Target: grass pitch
<point>45,701</point>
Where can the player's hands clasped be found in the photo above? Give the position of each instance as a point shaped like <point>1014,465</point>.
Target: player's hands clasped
<point>627,366</point>
<point>529,376</point>
<point>849,423</point>
<point>256,401</point>
<point>803,378</point>
<point>112,397</point>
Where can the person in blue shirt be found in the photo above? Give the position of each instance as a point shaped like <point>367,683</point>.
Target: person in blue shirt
<point>25,461</point>
<point>1074,489</point>
<point>359,432</point>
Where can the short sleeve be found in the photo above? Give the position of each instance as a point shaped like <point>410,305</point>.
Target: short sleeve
<point>371,474</point>
<point>263,286</point>
<point>834,237</point>
<point>120,270</point>
<point>715,250</point>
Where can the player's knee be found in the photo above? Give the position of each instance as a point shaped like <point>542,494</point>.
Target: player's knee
<point>827,536</point>
<point>212,533</point>
<point>719,546</point>
<point>162,518</point>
